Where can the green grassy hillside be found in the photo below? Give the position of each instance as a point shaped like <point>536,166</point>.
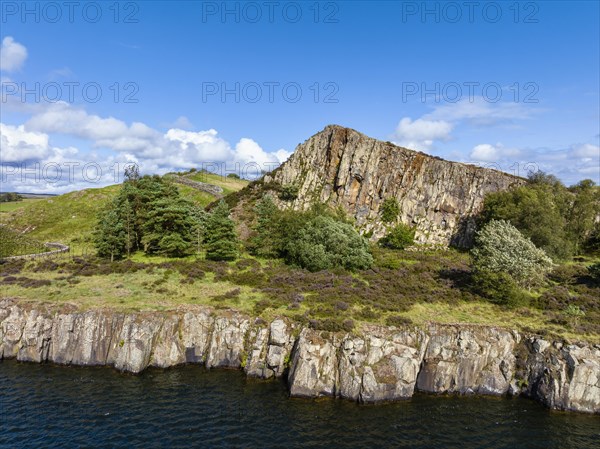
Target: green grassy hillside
<point>229,185</point>
<point>70,218</point>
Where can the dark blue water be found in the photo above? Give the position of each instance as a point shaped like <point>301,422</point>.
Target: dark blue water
<point>51,406</point>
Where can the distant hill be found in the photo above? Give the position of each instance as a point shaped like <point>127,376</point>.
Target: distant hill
<point>34,195</point>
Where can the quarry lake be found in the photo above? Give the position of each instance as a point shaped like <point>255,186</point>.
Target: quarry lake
<point>56,406</point>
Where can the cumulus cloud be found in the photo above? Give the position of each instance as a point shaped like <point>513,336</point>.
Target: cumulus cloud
<point>437,125</point>
<point>62,117</point>
<point>282,155</point>
<point>12,55</point>
<point>16,144</point>
<point>177,148</point>
<point>188,147</point>
<point>155,151</point>
<point>486,152</point>
<point>420,134</point>
<point>30,163</point>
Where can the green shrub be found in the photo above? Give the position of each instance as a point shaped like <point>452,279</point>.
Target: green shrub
<point>501,248</point>
<point>390,210</point>
<point>594,271</point>
<point>499,288</point>
<point>288,192</point>
<point>324,243</point>
<point>399,237</point>
<point>574,313</point>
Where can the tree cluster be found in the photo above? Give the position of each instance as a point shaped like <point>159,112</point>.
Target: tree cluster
<point>149,215</point>
<point>317,239</point>
<point>9,197</point>
<point>562,221</point>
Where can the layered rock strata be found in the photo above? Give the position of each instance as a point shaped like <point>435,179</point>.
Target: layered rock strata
<point>344,168</point>
<point>376,363</point>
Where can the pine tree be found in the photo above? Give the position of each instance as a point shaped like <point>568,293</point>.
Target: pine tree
<point>220,238</point>
<point>264,242</point>
<point>148,212</point>
<point>169,228</point>
<point>110,237</point>
<point>200,216</point>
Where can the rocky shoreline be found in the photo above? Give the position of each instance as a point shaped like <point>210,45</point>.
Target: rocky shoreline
<point>373,364</point>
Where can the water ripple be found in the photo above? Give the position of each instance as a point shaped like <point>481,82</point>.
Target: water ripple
<point>46,406</point>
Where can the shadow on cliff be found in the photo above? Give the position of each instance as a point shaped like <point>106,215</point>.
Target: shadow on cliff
<point>464,234</point>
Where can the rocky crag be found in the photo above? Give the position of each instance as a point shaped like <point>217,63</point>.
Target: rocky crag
<point>342,167</point>
<point>376,363</point>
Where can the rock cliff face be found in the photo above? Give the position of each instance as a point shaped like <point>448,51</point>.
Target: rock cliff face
<point>377,363</point>
<point>343,167</point>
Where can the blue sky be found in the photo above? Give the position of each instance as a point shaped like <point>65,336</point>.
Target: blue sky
<point>511,85</point>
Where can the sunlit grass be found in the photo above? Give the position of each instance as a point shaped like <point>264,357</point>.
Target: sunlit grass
<point>485,313</point>
<point>14,205</point>
<point>409,295</point>
<point>228,185</point>
<point>139,291</point>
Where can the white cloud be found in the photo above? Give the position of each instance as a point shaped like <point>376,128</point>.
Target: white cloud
<point>480,112</point>
<point>188,148</point>
<point>486,152</point>
<point>154,151</point>
<point>63,118</point>
<point>282,155</point>
<point>586,150</point>
<point>12,55</point>
<point>16,144</point>
<point>421,133</point>
<point>570,164</point>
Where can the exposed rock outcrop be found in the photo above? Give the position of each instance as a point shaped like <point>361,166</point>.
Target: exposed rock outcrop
<point>376,363</point>
<point>342,167</point>
<point>468,360</point>
<point>313,369</point>
<point>270,349</point>
<point>381,366</point>
<point>565,377</point>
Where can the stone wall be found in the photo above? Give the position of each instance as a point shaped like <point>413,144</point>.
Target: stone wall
<point>60,248</point>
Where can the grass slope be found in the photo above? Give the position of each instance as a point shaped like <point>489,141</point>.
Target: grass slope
<point>15,205</point>
<point>70,218</point>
